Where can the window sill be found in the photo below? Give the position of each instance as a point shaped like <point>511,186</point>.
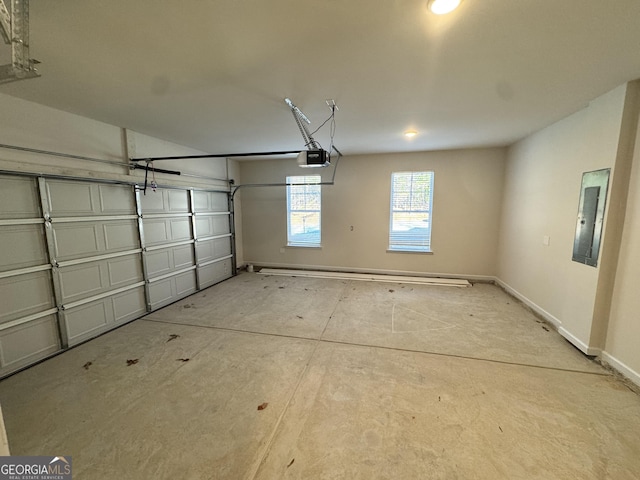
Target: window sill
<point>293,245</point>
<point>430,252</point>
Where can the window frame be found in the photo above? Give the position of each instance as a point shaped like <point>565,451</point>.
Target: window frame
<point>414,243</point>
<point>309,182</point>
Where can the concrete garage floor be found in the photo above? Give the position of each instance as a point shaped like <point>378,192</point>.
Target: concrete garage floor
<point>355,380</point>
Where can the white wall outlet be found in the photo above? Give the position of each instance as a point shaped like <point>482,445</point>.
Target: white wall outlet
<point>546,240</point>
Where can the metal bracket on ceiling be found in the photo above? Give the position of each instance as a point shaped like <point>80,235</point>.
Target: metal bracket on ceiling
<point>331,103</point>
<point>14,27</point>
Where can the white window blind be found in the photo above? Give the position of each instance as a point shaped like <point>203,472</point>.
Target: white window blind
<point>303,211</point>
<point>411,205</point>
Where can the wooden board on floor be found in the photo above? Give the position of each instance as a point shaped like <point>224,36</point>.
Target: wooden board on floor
<point>448,282</point>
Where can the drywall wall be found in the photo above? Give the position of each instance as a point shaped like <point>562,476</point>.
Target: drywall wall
<point>27,124</point>
<point>541,194</point>
<point>466,210</point>
<point>623,333</point>
<point>614,223</point>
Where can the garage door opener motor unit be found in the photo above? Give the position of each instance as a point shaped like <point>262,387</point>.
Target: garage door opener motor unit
<point>314,158</point>
<point>315,155</point>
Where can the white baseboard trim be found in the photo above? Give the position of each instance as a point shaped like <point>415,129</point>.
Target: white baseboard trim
<point>621,367</point>
<point>579,344</point>
<point>557,323</point>
<point>374,271</point>
<point>533,306</point>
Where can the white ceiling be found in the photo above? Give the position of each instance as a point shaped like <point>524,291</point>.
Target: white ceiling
<point>212,74</point>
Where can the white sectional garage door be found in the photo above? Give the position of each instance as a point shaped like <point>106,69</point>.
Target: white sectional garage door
<point>168,245</point>
<point>28,311</point>
<point>78,258</point>
<point>186,242</point>
<point>213,237</point>
<point>96,251</point>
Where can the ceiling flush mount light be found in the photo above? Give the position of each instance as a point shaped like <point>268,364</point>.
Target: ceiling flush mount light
<point>441,7</point>
<point>410,133</point>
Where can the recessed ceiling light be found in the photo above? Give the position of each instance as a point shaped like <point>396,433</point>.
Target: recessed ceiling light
<point>410,133</point>
<point>440,7</point>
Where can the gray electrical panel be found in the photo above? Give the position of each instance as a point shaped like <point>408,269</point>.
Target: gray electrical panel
<point>593,196</point>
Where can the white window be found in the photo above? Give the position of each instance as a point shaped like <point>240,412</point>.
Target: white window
<point>303,211</point>
<point>411,202</point>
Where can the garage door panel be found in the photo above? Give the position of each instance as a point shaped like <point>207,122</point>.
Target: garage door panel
<point>214,272</point>
<point>124,271</point>
<point>152,202</point>
<point>212,249</point>
<point>166,230</point>
<point>209,226</point>
<point>81,281</point>
<point>158,262</point>
<point>164,261</point>
<point>222,247</point>
<point>28,343</point>
<point>128,305</point>
<point>201,201</point>
<point>22,246</point>
<point>87,320</point>
<point>25,295</point>
<point>180,229</point>
<point>78,282</point>
<point>155,231</point>
<point>86,239</point>
<point>219,202</point>
<point>211,201</point>
<point>185,283</point>
<point>161,293</point>
<point>116,200</point>
<point>205,251</point>
<point>69,198</point>
<point>165,201</point>
<point>91,319</point>
<point>169,290</point>
<point>220,224</point>
<point>18,198</point>
<point>183,257</point>
<point>203,227</point>
<point>121,235</point>
<point>177,201</point>
<point>76,240</point>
